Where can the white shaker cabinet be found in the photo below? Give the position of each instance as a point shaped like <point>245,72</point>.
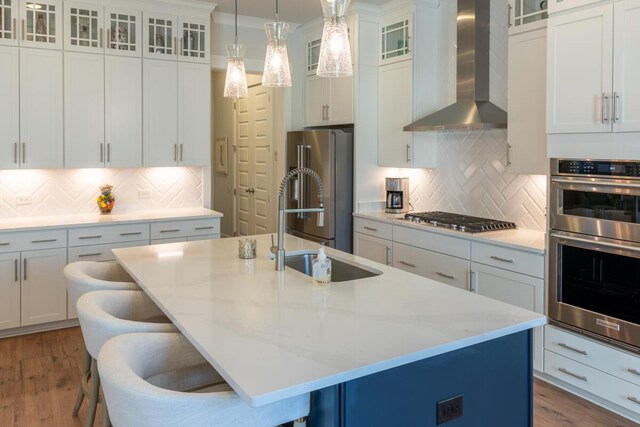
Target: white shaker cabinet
<point>526,15</point>
<point>43,290</point>
<point>160,36</point>
<point>194,114</point>
<point>41,109</point>
<point>395,110</point>
<point>193,40</point>
<point>9,290</point>
<point>626,67</point>
<point>316,97</point>
<point>41,23</point>
<point>560,5</point>
<point>160,112</point>
<point>396,37</point>
<point>83,27</point>
<point>373,248</point>
<point>123,32</point>
<point>328,101</point>
<point>9,23</point>
<point>9,107</point>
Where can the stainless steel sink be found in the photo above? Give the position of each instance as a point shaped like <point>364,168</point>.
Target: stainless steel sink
<point>340,271</point>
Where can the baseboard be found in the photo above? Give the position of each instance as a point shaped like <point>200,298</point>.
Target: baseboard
<point>25,330</point>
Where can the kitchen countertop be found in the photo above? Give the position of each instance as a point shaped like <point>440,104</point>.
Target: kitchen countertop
<point>67,221</point>
<point>273,335</point>
<point>521,238</point>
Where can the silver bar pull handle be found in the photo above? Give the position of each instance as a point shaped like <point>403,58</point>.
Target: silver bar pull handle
<point>175,42</point>
<point>473,282</point>
<point>370,228</point>
<point>616,107</point>
<point>5,244</point>
<point>566,371</point>
<point>181,151</point>
<point>101,152</point>
<point>15,29</point>
<point>89,255</point>
<point>497,258</point>
<point>634,371</point>
<point>175,152</point>
<point>108,38</point>
<point>44,241</point>
<point>595,243</point>
<point>446,276</point>
<point>25,269</point>
<point>109,153</point>
<point>24,30</point>
<point>408,148</point>
<point>204,228</point>
<point>24,153</point>
<point>634,399</point>
<point>508,154</point>
<point>15,152</point>
<point>137,233</point>
<point>170,231</point>
<point>605,101</point>
<point>15,267</point>
<point>575,350</point>
<point>387,256</point>
<point>408,264</point>
<point>594,183</point>
<point>101,38</point>
<point>181,46</point>
<point>509,16</point>
<point>89,237</point>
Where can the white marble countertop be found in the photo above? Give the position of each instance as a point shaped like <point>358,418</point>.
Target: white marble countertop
<point>273,335</point>
<point>83,220</point>
<point>521,238</point>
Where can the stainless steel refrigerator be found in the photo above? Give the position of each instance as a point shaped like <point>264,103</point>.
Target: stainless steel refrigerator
<point>329,152</point>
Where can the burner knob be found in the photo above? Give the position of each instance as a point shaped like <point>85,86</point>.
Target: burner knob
<point>454,227</point>
<point>462,228</point>
<point>434,223</point>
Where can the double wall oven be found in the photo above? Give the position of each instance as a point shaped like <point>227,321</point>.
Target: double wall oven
<point>594,254</point>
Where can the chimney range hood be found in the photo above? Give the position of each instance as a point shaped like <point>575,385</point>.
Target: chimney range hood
<point>472,110</point>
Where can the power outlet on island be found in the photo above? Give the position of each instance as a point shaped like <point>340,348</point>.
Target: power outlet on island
<point>23,200</point>
<point>449,410</point>
<point>144,194</point>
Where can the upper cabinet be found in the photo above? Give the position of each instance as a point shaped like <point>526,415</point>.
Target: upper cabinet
<point>9,107</point>
<point>123,32</point>
<point>176,38</point>
<point>41,23</point>
<point>395,39</point>
<point>525,15</point>
<point>9,22</point>
<point>313,55</point>
<point>560,5</point>
<point>194,40</point>
<point>83,29</point>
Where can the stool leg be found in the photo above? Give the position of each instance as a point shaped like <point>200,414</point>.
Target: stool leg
<point>86,367</point>
<point>300,422</point>
<point>94,391</point>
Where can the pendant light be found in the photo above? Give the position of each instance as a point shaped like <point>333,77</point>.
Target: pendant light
<point>335,51</point>
<point>276,64</point>
<point>235,85</point>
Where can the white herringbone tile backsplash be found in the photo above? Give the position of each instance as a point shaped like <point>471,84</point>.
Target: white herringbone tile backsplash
<point>74,191</point>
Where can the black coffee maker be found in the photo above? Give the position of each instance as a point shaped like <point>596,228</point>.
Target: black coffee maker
<point>397,190</point>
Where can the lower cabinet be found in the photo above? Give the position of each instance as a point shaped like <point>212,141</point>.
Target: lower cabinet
<point>43,287</point>
<point>373,248</point>
<point>9,290</point>
<point>443,268</point>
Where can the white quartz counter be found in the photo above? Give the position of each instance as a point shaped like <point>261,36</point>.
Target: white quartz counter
<point>66,221</point>
<point>273,335</point>
<point>522,239</point>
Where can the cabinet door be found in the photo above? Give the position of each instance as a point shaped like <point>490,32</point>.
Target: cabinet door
<point>9,22</point>
<point>527,103</point>
<point>83,31</point>
<point>580,71</point>
<point>194,40</point>
<point>9,107</point>
<point>313,55</point>
<point>626,66</point>
<point>41,107</point>
<point>160,36</point>
<point>9,290</point>
<point>194,114</point>
<point>84,110</point>
<point>41,23</point>
<point>123,32</point>
<point>44,293</point>
<point>560,5</point>
<point>527,15</point>
<point>395,110</point>
<point>123,111</point>
<point>516,289</point>
<point>396,36</point>
<point>316,100</point>
<point>340,109</point>
<point>373,248</point>
<point>160,118</point>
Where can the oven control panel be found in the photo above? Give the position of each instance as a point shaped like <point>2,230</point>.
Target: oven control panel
<point>599,168</point>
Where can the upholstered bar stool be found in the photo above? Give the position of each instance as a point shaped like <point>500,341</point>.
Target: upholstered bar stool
<point>107,314</point>
<point>142,373</point>
<point>87,276</point>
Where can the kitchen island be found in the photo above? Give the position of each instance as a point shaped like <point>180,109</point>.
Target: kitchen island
<point>377,351</point>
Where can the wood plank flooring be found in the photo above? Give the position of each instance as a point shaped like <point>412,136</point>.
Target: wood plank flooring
<point>40,373</point>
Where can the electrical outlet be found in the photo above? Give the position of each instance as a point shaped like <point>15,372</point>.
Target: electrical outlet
<point>144,194</point>
<point>23,200</point>
<point>449,409</point>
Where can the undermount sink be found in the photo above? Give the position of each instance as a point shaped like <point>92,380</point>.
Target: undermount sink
<point>340,271</point>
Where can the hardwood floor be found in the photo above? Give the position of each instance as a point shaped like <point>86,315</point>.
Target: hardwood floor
<point>39,376</point>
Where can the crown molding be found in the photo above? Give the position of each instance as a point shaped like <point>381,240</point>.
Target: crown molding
<point>221,18</point>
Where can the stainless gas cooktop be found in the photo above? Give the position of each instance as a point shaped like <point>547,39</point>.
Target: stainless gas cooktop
<point>468,224</point>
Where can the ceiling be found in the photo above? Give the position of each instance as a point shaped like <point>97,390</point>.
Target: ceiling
<point>295,11</point>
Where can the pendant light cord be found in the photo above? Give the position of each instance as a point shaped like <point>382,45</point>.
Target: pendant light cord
<point>236,21</point>
<point>277,10</point>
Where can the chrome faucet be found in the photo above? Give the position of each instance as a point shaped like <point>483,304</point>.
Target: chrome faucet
<point>282,210</point>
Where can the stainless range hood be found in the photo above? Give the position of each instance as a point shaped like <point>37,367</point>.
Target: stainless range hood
<point>472,110</point>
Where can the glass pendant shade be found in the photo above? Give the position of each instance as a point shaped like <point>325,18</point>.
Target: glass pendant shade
<point>335,51</point>
<point>276,64</point>
<point>235,85</point>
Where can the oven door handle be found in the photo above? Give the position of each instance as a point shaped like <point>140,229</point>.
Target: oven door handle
<point>596,242</point>
<point>595,183</point>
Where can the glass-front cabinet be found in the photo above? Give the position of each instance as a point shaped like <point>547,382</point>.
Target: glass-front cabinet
<point>160,36</point>
<point>395,39</point>
<point>83,27</point>
<point>9,22</point>
<point>313,55</point>
<point>41,23</point>
<point>124,32</point>
<point>525,15</point>
<point>194,40</point>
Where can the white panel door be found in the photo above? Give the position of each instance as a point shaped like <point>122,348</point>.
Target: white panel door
<point>41,108</point>
<point>84,110</point>
<point>580,71</point>
<point>41,23</point>
<point>341,104</point>
<point>44,292</point>
<point>9,107</point>
<point>83,27</point>
<point>372,248</point>
<point>316,100</point>
<point>123,111</point>
<point>194,114</point>
<point>9,290</point>
<point>243,224</point>
<point>160,118</point>
<point>194,40</point>
<point>9,22</point>
<point>626,66</point>
<point>160,36</point>
<point>395,110</point>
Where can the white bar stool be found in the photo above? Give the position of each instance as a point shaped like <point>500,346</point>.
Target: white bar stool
<point>141,374</point>
<point>88,276</point>
<point>106,314</point>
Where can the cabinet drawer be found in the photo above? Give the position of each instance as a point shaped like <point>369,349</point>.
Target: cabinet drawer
<point>593,353</point>
<point>432,241</point>
<point>107,234</point>
<point>33,240</point>
<point>185,228</point>
<point>508,259</point>
<point>443,268</point>
<point>593,381</point>
<point>373,228</point>
<point>99,252</point>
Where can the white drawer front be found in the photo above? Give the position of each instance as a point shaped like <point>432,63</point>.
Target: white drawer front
<point>185,228</point>
<point>373,228</point>
<point>33,240</point>
<point>593,353</point>
<point>99,252</point>
<point>443,268</point>
<point>106,234</point>
<point>508,259</point>
<point>460,248</point>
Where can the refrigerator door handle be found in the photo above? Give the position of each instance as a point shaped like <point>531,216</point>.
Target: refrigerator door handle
<point>303,162</point>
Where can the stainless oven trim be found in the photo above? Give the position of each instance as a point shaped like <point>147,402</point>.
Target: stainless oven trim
<point>555,171</point>
<point>599,324</point>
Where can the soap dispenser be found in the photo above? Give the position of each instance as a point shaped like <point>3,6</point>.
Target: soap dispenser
<point>321,269</point>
